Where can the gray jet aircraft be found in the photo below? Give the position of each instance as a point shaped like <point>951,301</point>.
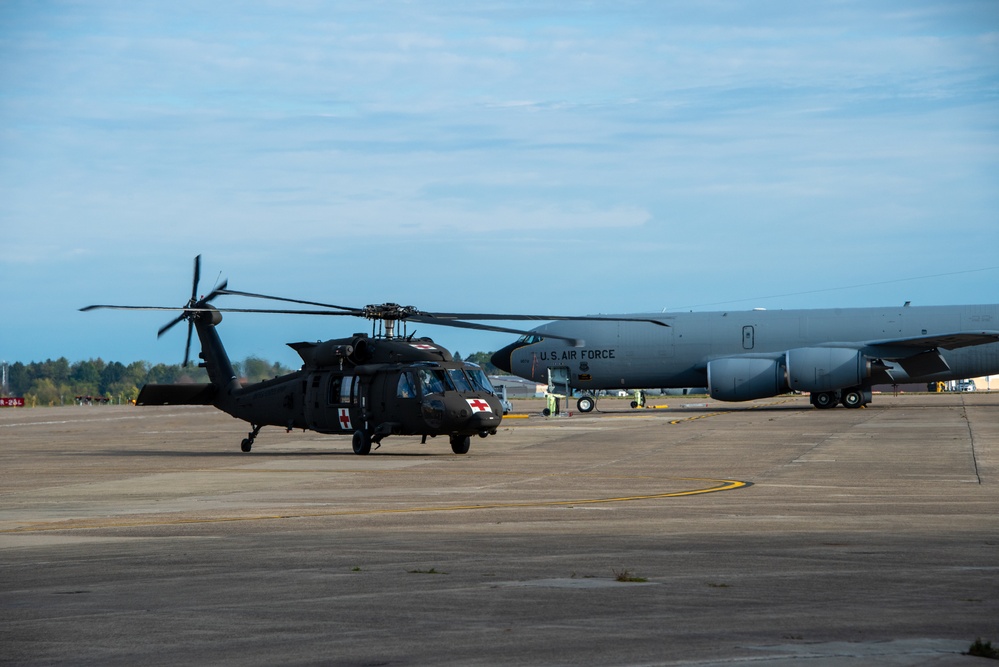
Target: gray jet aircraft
<point>836,355</point>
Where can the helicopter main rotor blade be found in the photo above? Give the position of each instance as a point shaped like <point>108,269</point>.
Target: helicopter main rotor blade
<point>457,316</point>
<point>439,319</point>
<point>514,318</point>
<point>209,309</point>
<point>114,307</point>
<point>388,312</point>
<point>285,299</point>
<point>459,324</point>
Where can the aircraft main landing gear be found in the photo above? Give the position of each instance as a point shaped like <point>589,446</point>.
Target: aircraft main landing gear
<point>851,397</point>
<point>856,397</point>
<point>361,442</point>
<point>824,400</point>
<point>247,443</point>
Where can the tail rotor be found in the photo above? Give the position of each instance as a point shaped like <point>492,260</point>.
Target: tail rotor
<point>193,309</point>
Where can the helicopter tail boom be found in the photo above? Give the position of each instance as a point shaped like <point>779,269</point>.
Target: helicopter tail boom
<point>177,394</point>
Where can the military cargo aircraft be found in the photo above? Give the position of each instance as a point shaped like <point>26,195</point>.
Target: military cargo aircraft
<point>835,355</point>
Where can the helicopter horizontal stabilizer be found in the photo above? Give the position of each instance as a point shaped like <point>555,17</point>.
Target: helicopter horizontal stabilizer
<point>176,394</point>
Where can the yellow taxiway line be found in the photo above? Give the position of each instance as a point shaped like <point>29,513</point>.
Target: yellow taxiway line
<point>90,524</point>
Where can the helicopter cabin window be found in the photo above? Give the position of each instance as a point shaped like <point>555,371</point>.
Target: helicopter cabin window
<point>407,385</point>
<point>340,389</point>
<point>459,380</point>
<point>345,387</point>
<point>432,382</point>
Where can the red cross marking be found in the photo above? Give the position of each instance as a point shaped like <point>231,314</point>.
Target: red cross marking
<point>478,405</point>
<point>344,418</point>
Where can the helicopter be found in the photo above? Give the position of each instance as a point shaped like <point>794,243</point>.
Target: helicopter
<point>367,386</point>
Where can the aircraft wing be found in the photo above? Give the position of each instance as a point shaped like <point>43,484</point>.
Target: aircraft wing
<point>951,341</point>
<point>920,356</point>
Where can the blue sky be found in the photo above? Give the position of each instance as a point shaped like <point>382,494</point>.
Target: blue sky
<point>498,156</point>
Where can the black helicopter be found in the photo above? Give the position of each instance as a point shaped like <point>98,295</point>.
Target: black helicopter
<point>366,386</point>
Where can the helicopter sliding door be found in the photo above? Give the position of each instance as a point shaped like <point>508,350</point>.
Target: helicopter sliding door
<point>331,403</point>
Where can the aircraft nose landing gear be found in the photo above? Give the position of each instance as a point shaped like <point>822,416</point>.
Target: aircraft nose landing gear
<point>247,443</point>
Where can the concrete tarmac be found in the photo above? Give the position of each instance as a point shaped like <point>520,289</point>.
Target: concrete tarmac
<point>701,534</point>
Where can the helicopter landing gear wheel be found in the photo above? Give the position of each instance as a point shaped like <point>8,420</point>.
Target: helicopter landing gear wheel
<point>247,443</point>
<point>586,404</point>
<point>361,442</point>
<point>460,444</point>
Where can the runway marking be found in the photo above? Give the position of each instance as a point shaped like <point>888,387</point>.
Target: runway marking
<point>729,412</point>
<point>91,524</point>
<point>90,418</point>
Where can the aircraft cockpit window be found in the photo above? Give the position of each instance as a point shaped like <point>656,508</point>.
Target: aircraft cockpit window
<point>529,339</point>
<point>479,380</point>
<point>432,382</point>
<point>459,380</point>
<point>407,386</point>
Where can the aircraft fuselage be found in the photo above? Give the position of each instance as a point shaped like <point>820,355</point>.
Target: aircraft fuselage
<point>819,350</point>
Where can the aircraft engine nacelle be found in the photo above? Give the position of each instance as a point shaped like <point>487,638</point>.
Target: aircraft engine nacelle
<point>826,368</point>
<point>360,350</point>
<point>331,353</point>
<point>745,378</point>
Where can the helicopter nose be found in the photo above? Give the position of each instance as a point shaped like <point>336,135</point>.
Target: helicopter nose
<point>483,421</point>
<point>502,358</point>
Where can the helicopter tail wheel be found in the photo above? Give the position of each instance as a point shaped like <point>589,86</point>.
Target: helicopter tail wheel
<point>460,444</point>
<point>361,442</point>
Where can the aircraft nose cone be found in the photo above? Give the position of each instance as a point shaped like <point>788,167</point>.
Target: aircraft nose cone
<point>501,358</point>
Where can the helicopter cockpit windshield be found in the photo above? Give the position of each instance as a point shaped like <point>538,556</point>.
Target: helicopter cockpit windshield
<point>479,380</point>
<point>459,380</point>
<point>432,381</point>
<point>437,381</point>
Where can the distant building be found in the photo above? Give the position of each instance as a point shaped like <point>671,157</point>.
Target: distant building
<point>517,387</point>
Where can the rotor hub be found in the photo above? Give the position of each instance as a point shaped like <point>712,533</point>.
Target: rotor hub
<point>388,311</point>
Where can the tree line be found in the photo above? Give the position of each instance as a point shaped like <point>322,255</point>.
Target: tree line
<point>59,382</point>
